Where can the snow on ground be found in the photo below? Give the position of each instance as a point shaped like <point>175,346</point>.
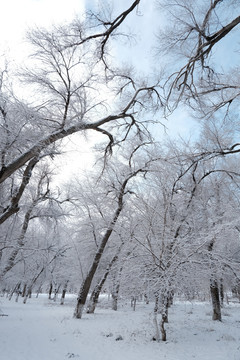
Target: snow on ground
<point>44,330</point>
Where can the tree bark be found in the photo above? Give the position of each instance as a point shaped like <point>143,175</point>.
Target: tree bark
<point>20,242</point>
<point>18,292</point>
<point>28,294</point>
<point>84,290</point>
<point>116,288</point>
<point>221,292</point>
<point>13,208</point>
<point>115,297</point>
<point>98,288</point>
<point>64,293</point>
<point>163,331</point>
<point>166,299</point>
<point>214,290</point>
<point>133,302</point>
<point>50,291</point>
<point>24,290</point>
<point>155,320</point>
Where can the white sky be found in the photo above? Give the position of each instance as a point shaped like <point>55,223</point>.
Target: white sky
<point>19,15</point>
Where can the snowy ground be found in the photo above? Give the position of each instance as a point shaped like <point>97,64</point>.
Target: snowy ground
<point>44,330</point>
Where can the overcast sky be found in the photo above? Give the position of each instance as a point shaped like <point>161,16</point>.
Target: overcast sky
<point>19,15</point>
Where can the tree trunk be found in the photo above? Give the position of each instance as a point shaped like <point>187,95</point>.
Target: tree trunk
<point>165,303</point>
<point>221,292</point>
<point>13,208</point>
<point>146,299</point>
<point>20,242</point>
<point>165,313</point>
<point>17,286</point>
<point>155,320</point>
<point>86,284</point>
<point>83,293</point>
<point>18,292</point>
<point>95,295</point>
<point>24,290</point>
<point>214,290</point>
<point>115,298</point>
<point>56,290</point>
<point>116,288</point>
<point>50,291</point>
<point>215,300</point>
<point>133,302</point>
<point>64,293</point>
<point>98,288</point>
<point>28,294</point>
<point>84,290</point>
<point>163,331</point>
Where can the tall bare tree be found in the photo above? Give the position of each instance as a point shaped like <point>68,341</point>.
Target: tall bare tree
<point>71,87</point>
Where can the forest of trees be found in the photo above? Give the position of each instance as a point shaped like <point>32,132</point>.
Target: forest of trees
<point>154,218</point>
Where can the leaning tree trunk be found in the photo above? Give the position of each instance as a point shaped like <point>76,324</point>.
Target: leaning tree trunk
<point>98,288</point>
<point>50,291</point>
<point>24,290</point>
<point>15,289</point>
<point>28,294</point>
<point>18,292</point>
<point>84,290</point>
<point>214,290</point>
<point>95,295</point>
<point>20,241</point>
<point>86,284</point>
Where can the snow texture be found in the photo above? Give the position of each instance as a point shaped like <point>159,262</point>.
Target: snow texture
<point>45,330</point>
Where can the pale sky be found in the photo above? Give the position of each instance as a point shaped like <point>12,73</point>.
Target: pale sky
<point>17,16</point>
<point>20,15</point>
